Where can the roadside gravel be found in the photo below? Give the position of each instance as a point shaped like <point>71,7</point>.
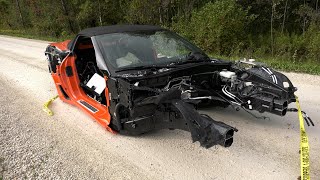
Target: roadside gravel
<point>34,146</point>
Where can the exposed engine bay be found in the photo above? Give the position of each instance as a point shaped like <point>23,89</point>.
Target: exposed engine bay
<point>140,101</point>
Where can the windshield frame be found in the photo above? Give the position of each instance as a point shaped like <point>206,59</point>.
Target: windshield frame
<point>113,71</point>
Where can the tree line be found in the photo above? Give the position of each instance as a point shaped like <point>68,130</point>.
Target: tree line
<point>283,29</point>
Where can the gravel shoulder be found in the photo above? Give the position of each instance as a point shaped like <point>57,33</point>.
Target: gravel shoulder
<point>35,146</point>
<point>70,145</point>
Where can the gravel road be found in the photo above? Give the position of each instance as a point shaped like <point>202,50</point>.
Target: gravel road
<point>70,145</point>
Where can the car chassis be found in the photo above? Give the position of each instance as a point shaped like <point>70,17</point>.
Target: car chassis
<point>137,100</point>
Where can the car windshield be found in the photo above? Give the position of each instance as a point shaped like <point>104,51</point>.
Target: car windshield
<point>144,49</point>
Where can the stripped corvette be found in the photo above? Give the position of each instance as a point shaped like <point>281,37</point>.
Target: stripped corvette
<point>135,78</point>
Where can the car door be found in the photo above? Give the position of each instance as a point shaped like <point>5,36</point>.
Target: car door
<point>70,83</point>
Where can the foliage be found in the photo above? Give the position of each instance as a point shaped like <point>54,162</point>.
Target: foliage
<point>143,12</point>
<point>219,31</point>
<point>4,11</point>
<point>286,31</point>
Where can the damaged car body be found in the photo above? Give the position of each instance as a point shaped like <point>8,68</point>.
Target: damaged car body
<point>134,79</point>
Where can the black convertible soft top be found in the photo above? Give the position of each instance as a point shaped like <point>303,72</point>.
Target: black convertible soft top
<point>117,29</point>
<point>89,32</point>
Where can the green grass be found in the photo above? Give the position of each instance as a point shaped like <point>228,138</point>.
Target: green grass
<point>283,65</point>
<point>31,35</point>
<point>276,63</point>
<point>307,67</point>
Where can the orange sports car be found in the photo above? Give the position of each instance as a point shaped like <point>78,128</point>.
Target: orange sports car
<point>133,79</point>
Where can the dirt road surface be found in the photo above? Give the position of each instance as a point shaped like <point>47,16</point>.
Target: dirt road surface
<point>70,145</point>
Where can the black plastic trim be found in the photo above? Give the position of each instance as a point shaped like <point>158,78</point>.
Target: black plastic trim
<point>64,93</point>
<point>69,71</point>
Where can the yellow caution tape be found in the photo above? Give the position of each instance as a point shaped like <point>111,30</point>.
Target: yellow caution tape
<point>46,106</point>
<point>304,147</point>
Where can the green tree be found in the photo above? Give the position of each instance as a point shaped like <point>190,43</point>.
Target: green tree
<point>143,12</point>
<point>220,27</point>
<point>4,11</point>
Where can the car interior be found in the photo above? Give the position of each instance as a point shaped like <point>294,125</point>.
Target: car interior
<point>120,53</point>
<point>88,72</point>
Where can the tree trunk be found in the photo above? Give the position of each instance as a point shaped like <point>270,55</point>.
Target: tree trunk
<point>284,16</point>
<point>161,11</point>
<point>304,24</point>
<point>100,15</point>
<point>20,13</point>
<point>271,26</point>
<point>317,3</point>
<point>304,20</point>
<point>65,11</point>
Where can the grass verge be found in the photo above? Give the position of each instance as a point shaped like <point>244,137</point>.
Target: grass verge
<point>31,35</point>
<point>283,65</point>
<point>307,67</point>
<point>276,63</point>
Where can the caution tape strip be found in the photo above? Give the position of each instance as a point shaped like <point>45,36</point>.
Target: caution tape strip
<point>304,146</point>
<point>45,107</point>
